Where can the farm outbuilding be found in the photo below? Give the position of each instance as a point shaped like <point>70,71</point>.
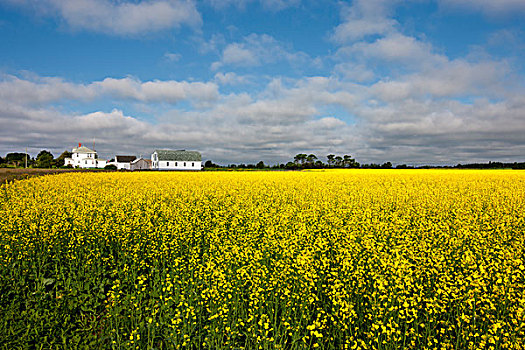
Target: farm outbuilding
<point>141,164</point>
<point>123,162</point>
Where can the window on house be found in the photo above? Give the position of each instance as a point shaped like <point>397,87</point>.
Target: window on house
<point>176,163</point>
<point>192,164</point>
<point>167,163</point>
<point>184,163</point>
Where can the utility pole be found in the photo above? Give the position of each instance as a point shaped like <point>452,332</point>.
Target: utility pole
<point>26,157</point>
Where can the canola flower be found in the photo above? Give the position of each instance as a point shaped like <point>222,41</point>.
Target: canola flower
<point>358,259</point>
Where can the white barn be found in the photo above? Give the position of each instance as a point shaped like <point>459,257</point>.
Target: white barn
<point>163,159</point>
<point>83,157</point>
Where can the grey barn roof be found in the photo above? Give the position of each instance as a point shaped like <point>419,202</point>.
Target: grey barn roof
<point>125,159</point>
<point>185,156</point>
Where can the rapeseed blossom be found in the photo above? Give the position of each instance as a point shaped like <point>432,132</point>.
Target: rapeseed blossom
<point>349,259</point>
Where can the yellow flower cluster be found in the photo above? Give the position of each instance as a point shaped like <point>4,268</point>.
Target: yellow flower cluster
<point>348,259</point>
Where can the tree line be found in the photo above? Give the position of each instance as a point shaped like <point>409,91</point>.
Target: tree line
<point>44,159</point>
<point>311,161</point>
<point>305,161</point>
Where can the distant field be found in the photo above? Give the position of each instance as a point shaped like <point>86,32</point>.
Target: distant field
<point>11,174</point>
<point>355,259</point>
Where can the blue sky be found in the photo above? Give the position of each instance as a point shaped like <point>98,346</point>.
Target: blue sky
<point>413,82</point>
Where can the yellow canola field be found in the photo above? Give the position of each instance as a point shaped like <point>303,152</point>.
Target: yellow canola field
<point>353,259</point>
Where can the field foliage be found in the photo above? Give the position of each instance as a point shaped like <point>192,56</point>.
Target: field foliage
<point>264,260</point>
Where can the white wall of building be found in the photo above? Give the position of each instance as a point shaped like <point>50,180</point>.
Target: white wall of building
<point>174,164</point>
<point>177,165</point>
<point>121,165</point>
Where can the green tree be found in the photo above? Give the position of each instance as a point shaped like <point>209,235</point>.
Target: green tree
<point>300,158</point>
<point>17,159</point>
<point>60,161</point>
<point>311,159</point>
<point>291,166</point>
<point>44,159</point>
<point>330,158</point>
<point>260,165</point>
<point>349,162</point>
<point>338,161</point>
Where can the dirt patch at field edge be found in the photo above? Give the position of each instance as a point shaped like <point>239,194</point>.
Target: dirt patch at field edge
<point>12,174</point>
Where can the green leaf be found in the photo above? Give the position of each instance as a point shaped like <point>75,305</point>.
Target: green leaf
<point>48,281</point>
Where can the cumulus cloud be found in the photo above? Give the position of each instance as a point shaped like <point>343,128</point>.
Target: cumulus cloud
<point>231,78</point>
<point>235,127</point>
<point>118,17</point>
<point>365,18</point>
<point>445,131</point>
<point>399,48</point>
<point>457,78</point>
<point>42,90</point>
<point>256,50</point>
<point>423,107</point>
<point>286,118</point>
<point>358,72</point>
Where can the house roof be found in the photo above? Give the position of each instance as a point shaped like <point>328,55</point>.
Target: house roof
<point>83,149</point>
<point>125,159</point>
<point>188,156</point>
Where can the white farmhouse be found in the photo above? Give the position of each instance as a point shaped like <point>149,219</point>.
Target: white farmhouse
<point>83,157</point>
<point>163,159</point>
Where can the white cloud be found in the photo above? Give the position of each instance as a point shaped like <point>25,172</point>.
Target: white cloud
<point>256,50</point>
<point>399,48</point>
<point>236,127</point>
<point>286,118</point>
<point>230,78</point>
<point>358,72</point>
<point>328,123</point>
<point>118,18</point>
<point>444,131</point>
<point>47,90</point>
<point>456,79</point>
<point>239,54</point>
<point>365,18</point>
